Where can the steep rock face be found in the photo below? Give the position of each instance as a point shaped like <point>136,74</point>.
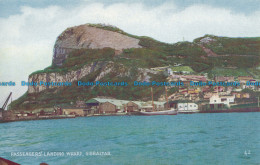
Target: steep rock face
<point>68,77</point>
<point>78,37</point>
<point>144,74</point>
<point>86,36</point>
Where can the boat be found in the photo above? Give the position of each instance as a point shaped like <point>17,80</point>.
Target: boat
<point>7,162</point>
<point>164,112</point>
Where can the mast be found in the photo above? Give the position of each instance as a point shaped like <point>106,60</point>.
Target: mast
<point>167,102</point>
<point>152,97</point>
<point>257,101</point>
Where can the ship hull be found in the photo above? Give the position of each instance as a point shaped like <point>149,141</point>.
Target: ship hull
<point>166,112</point>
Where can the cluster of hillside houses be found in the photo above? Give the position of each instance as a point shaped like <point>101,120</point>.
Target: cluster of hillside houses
<point>186,99</point>
<point>198,93</point>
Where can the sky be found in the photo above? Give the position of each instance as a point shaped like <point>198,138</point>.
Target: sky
<point>29,28</point>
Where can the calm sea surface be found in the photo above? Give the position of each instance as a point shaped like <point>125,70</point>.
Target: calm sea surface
<point>226,138</point>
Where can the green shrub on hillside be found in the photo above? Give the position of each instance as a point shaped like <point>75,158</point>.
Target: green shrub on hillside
<point>240,46</point>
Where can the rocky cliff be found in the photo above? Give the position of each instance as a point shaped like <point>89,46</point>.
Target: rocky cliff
<point>90,37</point>
<point>70,76</point>
<point>82,37</point>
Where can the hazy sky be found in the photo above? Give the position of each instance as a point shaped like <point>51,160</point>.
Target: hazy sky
<point>28,28</point>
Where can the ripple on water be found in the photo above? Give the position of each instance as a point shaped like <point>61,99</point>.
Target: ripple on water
<point>203,132</point>
<point>185,139</point>
<point>192,141</point>
<point>218,145</point>
<point>144,143</point>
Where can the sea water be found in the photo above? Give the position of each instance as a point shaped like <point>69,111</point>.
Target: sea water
<point>223,138</point>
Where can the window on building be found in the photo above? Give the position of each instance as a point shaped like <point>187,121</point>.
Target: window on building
<point>223,99</point>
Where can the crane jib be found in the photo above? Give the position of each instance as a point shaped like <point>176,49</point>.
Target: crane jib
<point>6,101</point>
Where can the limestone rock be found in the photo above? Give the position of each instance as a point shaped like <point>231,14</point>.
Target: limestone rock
<point>86,36</point>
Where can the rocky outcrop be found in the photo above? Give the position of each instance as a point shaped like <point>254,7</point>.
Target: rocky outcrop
<point>68,77</point>
<point>78,37</point>
<point>208,51</point>
<point>86,36</point>
<point>144,74</point>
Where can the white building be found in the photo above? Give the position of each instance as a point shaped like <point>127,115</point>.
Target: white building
<point>187,107</point>
<point>169,71</point>
<point>227,100</point>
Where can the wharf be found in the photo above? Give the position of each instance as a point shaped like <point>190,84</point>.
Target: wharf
<point>38,118</point>
<point>188,111</point>
<point>253,109</point>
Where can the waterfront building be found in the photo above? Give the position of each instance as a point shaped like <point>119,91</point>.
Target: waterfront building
<point>184,106</point>
<point>215,99</point>
<point>109,107</point>
<point>187,106</point>
<point>113,106</point>
<point>132,106</point>
<point>102,105</point>
<point>73,111</point>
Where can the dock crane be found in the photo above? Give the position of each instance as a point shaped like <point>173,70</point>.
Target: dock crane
<point>6,102</point>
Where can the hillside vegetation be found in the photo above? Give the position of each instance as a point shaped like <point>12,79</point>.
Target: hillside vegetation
<point>234,56</point>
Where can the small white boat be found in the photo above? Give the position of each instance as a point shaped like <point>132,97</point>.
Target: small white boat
<point>165,112</point>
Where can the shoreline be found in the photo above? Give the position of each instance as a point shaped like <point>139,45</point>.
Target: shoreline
<point>39,118</point>
<point>239,110</point>
<point>244,110</point>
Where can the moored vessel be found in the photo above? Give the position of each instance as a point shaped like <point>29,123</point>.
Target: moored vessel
<point>165,112</point>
